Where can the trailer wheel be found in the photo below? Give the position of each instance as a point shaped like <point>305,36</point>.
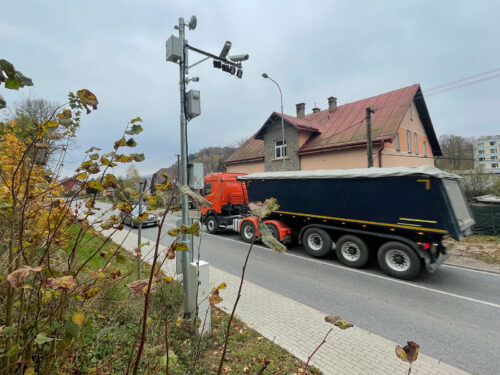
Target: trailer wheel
<point>352,251</point>
<point>247,231</point>
<point>317,242</point>
<point>398,260</point>
<point>274,231</point>
<point>212,224</point>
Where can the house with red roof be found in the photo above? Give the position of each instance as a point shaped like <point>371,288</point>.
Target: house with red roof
<point>335,138</point>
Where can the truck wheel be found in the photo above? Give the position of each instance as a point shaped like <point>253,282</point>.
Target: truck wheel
<point>352,251</point>
<point>212,224</point>
<point>247,231</point>
<point>317,242</point>
<point>274,231</point>
<point>398,260</point>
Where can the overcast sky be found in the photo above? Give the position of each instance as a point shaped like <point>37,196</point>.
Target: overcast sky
<point>313,49</point>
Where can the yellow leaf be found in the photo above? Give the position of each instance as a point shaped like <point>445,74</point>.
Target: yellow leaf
<point>52,124</point>
<point>179,321</point>
<point>78,317</point>
<point>82,176</point>
<point>222,286</point>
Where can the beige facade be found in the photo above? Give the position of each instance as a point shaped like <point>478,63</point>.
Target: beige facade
<point>402,134</point>
<point>246,167</point>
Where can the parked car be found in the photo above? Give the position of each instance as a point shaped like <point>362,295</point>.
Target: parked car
<point>132,219</point>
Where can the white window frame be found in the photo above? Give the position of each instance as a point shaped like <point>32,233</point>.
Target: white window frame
<point>416,143</point>
<point>408,139</point>
<point>280,149</point>
<point>398,148</point>
<point>425,149</point>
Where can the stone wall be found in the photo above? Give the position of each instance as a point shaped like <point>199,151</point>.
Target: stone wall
<point>273,133</point>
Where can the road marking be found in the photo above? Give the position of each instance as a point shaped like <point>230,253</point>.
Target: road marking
<point>362,272</point>
<point>465,268</point>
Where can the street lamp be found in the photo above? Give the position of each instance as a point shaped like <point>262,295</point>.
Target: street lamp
<point>283,145</point>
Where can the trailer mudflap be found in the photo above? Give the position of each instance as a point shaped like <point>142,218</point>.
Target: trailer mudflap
<point>432,267</point>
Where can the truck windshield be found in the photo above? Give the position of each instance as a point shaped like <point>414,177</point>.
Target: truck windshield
<point>458,202</point>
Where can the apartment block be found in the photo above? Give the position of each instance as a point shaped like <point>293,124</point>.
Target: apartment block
<point>487,153</point>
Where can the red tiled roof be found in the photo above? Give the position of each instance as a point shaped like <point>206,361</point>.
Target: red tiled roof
<point>346,125</point>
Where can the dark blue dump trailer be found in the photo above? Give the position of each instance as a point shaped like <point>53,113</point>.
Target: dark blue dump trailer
<point>398,214</point>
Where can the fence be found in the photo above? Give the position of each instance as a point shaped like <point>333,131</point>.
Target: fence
<point>487,220</point>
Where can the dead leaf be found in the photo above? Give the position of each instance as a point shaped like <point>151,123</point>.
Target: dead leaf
<point>269,240</point>
<point>214,297</point>
<point>184,189</point>
<point>337,321</point>
<point>263,210</point>
<point>16,278</point>
<point>139,287</point>
<point>63,283</point>
<point>87,99</point>
<point>409,352</point>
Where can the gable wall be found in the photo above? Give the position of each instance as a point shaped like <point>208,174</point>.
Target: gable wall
<point>393,158</point>
<point>273,133</point>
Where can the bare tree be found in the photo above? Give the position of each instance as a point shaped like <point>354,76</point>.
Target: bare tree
<point>457,152</point>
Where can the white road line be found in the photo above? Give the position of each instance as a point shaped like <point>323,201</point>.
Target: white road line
<point>490,273</point>
<point>364,273</point>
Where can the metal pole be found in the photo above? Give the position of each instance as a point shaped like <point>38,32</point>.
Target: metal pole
<point>184,168</point>
<point>369,146</point>
<point>139,232</point>
<point>282,122</point>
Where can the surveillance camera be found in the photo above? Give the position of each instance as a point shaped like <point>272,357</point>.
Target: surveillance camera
<point>238,58</point>
<point>225,50</point>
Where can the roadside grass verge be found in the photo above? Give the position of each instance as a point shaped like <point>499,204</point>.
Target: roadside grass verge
<point>110,330</point>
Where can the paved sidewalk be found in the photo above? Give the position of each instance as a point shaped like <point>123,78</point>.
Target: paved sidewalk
<point>299,328</point>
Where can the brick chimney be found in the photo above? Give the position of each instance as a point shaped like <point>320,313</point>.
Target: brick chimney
<point>332,103</point>
<point>301,110</point>
<point>315,110</point>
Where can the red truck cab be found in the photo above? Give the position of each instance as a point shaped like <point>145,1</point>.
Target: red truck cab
<point>229,199</point>
<point>229,210</point>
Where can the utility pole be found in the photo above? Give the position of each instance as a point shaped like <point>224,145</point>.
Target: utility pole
<point>369,146</point>
<point>177,52</point>
<point>139,231</point>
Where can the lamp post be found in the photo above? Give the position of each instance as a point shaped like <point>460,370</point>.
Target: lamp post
<point>282,122</point>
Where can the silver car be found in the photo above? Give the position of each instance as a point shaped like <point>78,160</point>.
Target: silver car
<point>132,219</point>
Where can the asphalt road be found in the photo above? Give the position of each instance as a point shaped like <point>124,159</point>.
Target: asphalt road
<point>454,314</point>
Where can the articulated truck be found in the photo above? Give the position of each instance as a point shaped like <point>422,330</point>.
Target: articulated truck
<point>398,215</point>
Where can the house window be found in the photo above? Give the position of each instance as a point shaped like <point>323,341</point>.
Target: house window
<point>494,165</point>
<point>493,150</point>
<point>481,159</point>
<point>481,151</point>
<point>416,143</point>
<point>279,149</point>
<point>494,158</point>
<point>425,149</point>
<point>408,139</point>
<point>397,142</point>
<point>492,143</point>
<point>480,144</point>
